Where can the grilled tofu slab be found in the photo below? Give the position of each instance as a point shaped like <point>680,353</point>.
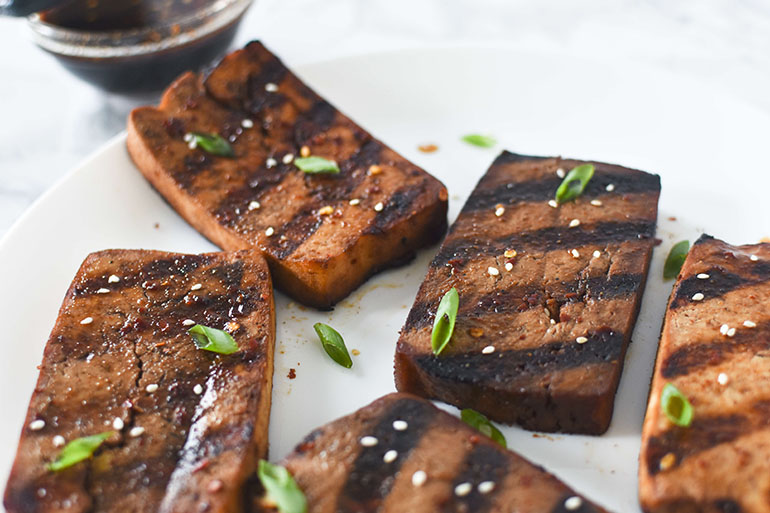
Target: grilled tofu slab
<point>549,296</point>
<point>401,453</point>
<point>188,424</point>
<point>322,234</point>
<point>715,348</point>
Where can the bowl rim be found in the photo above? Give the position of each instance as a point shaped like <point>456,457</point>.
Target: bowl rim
<point>135,42</point>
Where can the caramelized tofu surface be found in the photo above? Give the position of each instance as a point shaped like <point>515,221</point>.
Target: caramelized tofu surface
<point>401,453</point>
<point>322,234</point>
<point>189,424</point>
<point>549,296</point>
<point>715,349</point>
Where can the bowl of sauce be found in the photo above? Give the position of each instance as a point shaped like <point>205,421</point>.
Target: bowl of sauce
<point>137,45</point>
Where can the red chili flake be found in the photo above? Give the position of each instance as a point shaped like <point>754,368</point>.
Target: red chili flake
<point>200,466</point>
<point>292,374</point>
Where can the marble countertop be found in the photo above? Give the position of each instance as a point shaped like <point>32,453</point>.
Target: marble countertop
<point>50,121</point>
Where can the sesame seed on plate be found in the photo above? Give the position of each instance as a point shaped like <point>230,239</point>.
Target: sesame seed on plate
<point>703,276</point>
<point>118,423</point>
<point>723,379</point>
<point>463,489</point>
<point>113,279</point>
<point>192,144</point>
<point>188,322</point>
<point>698,296</point>
<point>581,340</point>
<point>510,253</point>
<point>287,158</point>
<point>136,431</point>
<point>667,461</point>
<point>304,151</point>
<point>476,332</point>
<point>58,441</point>
<point>573,503</point>
<point>378,207</point>
<point>270,162</point>
<point>325,211</point>
<point>724,329</point>
<point>369,441</point>
<point>354,202</point>
<point>270,231</point>
<point>188,137</point>
<point>197,286</point>
<point>254,205</point>
<point>574,223</point>
<point>597,253</point>
<point>486,486</point>
<point>419,478</point>
<point>198,389</point>
<point>552,203</point>
<point>561,173</point>
<point>508,266</point>
<point>247,123</point>
<point>575,253</point>
<point>270,87</point>
<point>102,291</point>
<point>400,425</point>
<point>596,203</point>
<point>87,320</point>
<point>41,492</point>
<point>610,187</point>
<point>753,258</point>
<point>374,169</point>
<point>492,271</point>
<point>499,210</point>
<point>488,350</point>
<point>390,456</point>
<point>37,425</point>
<point>152,387</point>
<point>750,324</point>
<point>731,332</point>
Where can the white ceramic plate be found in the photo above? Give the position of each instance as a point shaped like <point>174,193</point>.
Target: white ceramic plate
<point>708,149</point>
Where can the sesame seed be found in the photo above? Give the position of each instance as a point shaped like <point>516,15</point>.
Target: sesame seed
<point>508,266</point>
<point>581,340</point>
<point>304,151</point>
<point>254,205</point>
<point>136,431</point>
<point>374,169</point>
<point>369,441</point>
<point>287,158</point>
<point>492,271</point>
<point>476,332</point>
<point>270,231</point>
<point>731,332</point>
<point>552,203</point>
<point>510,253</point>
<point>488,350</point>
<point>597,253</point>
<point>354,201</point>
<point>58,441</point>
<point>152,387</point>
<point>573,503</point>
<point>197,286</point>
<point>499,210</point>
<point>463,489</point>
<point>378,207</point>
<point>703,276</point>
<point>724,329</point>
<point>247,123</point>
<point>271,162</point>
<point>188,322</point>
<point>192,144</point>
<point>419,478</point>
<point>37,425</point>
<point>113,279</point>
<point>667,461</point>
<point>215,486</point>
<point>750,324</point>
<point>118,423</point>
<point>271,87</point>
<point>325,211</point>
<point>400,425</point>
<point>596,203</point>
<point>390,456</point>
<point>610,188</point>
<point>698,296</point>
<point>753,258</point>
<point>722,379</point>
<point>486,486</point>
<point>87,320</point>
<point>561,173</point>
<point>188,137</point>
<point>41,492</point>
<point>198,389</point>
<point>102,291</point>
<point>575,253</point>
<point>574,223</point>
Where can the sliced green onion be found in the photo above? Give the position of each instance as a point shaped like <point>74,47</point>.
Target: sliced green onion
<point>213,143</point>
<point>676,406</point>
<point>480,422</point>
<point>333,344</point>
<point>574,183</point>
<point>212,339</point>
<point>675,259</point>
<point>78,450</point>
<point>482,141</point>
<point>316,165</point>
<point>281,488</point>
<point>444,324</point>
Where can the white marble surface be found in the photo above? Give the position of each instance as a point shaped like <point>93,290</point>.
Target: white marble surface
<point>50,121</point>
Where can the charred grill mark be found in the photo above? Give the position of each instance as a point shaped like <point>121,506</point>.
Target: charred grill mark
<point>300,228</point>
<point>460,250</point>
<point>509,157</point>
<point>256,99</point>
<point>319,118</point>
<point>483,463</point>
<point>727,506</point>
<point>585,506</point>
<point>696,355</point>
<point>719,283</point>
<point>193,164</point>
<point>603,346</point>
<point>545,188</point>
<point>235,202</point>
<point>371,479</point>
<point>521,298</point>
<point>397,207</point>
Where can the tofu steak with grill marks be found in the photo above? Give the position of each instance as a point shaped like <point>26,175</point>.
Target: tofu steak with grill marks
<point>323,234</point>
<point>715,349</point>
<point>402,454</point>
<point>189,424</point>
<point>549,296</point>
